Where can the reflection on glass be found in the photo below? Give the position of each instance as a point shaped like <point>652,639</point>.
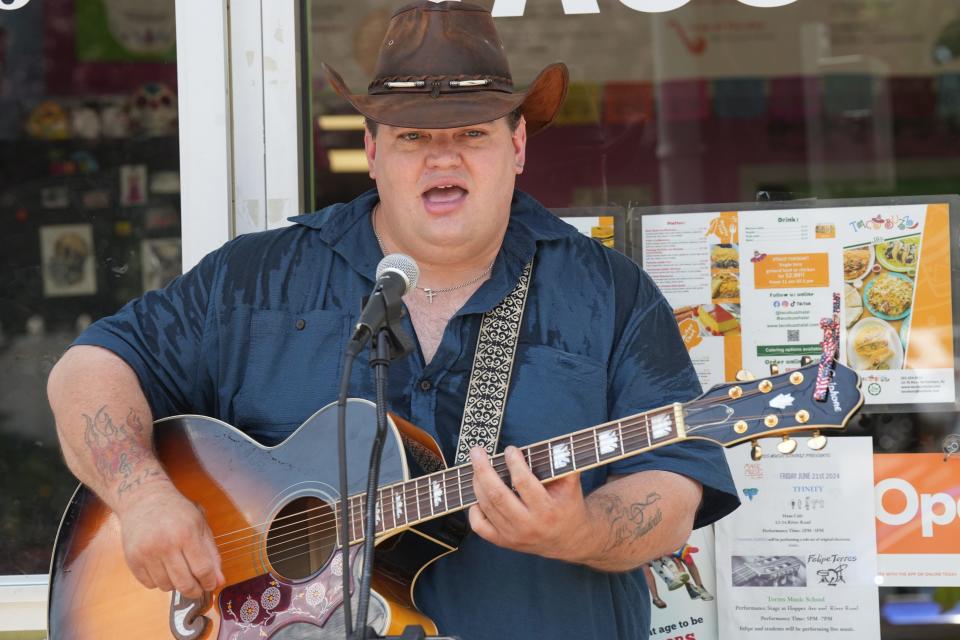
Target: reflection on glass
<point>89,218</point>
<point>713,102</point>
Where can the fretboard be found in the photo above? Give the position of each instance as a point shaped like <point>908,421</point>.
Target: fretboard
<point>437,494</point>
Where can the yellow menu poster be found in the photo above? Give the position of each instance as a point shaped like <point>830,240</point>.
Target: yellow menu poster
<point>749,289</point>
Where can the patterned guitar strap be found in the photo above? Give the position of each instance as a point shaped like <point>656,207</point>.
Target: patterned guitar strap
<point>490,376</point>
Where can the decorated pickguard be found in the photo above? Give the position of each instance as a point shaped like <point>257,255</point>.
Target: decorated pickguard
<point>262,606</point>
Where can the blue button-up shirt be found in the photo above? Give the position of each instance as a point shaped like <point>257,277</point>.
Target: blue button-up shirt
<point>254,336</point>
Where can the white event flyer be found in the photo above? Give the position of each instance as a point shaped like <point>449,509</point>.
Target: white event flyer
<point>799,557</point>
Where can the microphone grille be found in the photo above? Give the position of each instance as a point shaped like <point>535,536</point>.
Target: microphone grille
<point>403,264</point>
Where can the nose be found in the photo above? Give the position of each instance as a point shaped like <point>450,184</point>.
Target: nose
<point>442,153</point>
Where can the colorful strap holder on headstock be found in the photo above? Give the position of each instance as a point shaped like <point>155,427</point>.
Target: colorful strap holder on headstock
<point>829,348</point>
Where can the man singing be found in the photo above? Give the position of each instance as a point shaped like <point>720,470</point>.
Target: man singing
<point>254,335</point>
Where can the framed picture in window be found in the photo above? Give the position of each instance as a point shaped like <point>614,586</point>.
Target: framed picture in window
<point>67,255</point>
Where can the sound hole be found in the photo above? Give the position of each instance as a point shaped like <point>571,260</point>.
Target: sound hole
<point>301,538</point>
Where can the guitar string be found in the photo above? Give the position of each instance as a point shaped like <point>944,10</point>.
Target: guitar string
<point>534,458</point>
<point>614,423</point>
<point>409,489</point>
<point>583,441</point>
<point>310,547</point>
<point>541,457</point>
<point>282,544</point>
<point>466,503</point>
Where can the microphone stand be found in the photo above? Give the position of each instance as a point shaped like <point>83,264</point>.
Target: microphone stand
<point>385,310</point>
<point>387,344</point>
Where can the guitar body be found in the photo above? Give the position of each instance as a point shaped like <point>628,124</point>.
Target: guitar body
<point>280,567</point>
<point>274,516</point>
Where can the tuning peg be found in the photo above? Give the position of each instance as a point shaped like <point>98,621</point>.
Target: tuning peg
<point>745,376</point>
<point>817,441</point>
<point>805,360</point>
<point>774,370</point>
<point>787,445</point>
<point>755,451</point>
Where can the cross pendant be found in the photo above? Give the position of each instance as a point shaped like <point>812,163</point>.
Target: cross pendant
<point>429,293</point>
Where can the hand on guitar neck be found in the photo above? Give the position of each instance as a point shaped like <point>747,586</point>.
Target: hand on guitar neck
<point>616,528</point>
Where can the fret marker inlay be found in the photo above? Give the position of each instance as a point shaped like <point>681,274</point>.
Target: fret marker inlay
<point>561,456</point>
<point>437,493</point>
<point>609,442</point>
<point>662,425</point>
<point>398,506</point>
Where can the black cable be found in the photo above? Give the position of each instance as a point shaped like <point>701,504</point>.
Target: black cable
<point>344,532</point>
<point>380,365</point>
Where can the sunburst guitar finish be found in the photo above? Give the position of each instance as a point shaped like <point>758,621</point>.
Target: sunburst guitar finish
<point>271,511</point>
<point>274,511</point>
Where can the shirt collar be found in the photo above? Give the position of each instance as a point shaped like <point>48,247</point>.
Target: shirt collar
<point>346,228</point>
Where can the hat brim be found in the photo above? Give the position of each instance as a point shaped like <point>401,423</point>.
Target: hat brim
<point>540,103</point>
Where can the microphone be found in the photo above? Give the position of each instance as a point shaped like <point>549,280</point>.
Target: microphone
<point>397,275</point>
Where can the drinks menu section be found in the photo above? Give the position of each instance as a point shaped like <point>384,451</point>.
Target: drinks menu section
<point>749,289</point>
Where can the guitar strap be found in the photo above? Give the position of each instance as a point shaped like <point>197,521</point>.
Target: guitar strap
<point>490,375</point>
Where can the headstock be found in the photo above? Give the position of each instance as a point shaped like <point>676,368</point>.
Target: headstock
<point>778,405</point>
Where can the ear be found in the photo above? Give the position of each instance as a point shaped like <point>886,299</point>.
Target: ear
<point>519,139</point>
<point>370,148</point>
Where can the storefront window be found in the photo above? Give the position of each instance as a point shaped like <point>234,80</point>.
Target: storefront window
<point>89,217</point>
<point>720,101</point>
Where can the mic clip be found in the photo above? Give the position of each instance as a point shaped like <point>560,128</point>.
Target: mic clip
<point>391,328</point>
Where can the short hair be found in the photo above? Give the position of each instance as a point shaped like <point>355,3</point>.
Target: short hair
<point>513,121</point>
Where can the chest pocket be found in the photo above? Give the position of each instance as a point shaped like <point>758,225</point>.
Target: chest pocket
<point>292,371</point>
<point>553,393</point>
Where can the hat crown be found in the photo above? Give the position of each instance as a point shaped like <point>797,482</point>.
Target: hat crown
<point>441,40</point>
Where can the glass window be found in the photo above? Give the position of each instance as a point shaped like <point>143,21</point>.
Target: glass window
<point>715,101</point>
<point>89,217</point>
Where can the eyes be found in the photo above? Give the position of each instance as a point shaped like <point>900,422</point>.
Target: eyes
<point>423,136</point>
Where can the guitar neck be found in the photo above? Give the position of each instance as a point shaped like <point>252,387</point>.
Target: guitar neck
<point>444,492</point>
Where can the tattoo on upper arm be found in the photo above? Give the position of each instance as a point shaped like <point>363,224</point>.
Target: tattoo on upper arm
<point>629,522</point>
<point>118,448</point>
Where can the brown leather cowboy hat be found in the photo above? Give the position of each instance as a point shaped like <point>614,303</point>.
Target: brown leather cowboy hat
<point>442,65</point>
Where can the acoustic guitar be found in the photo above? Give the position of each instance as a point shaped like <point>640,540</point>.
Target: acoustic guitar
<point>274,511</point>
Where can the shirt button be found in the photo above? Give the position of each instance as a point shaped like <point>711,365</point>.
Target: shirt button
<point>425,385</point>
<point>301,323</point>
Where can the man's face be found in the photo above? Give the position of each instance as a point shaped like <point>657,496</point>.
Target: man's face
<point>446,191</point>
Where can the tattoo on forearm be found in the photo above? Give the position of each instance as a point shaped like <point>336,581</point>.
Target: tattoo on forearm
<point>134,481</point>
<point>629,523</point>
<point>118,448</point>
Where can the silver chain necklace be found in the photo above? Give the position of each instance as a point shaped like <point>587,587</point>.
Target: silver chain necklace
<point>428,291</point>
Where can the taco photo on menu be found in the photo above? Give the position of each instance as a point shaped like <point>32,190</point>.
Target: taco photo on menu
<point>857,262</point>
<point>873,344</point>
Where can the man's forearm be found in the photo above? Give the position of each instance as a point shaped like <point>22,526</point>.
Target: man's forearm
<point>637,518</point>
<point>104,423</point>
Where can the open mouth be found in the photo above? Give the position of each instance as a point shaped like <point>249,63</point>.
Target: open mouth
<point>444,198</point>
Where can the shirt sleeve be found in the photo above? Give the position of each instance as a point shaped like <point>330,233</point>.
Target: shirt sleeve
<point>161,337</point>
<point>650,368</point>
